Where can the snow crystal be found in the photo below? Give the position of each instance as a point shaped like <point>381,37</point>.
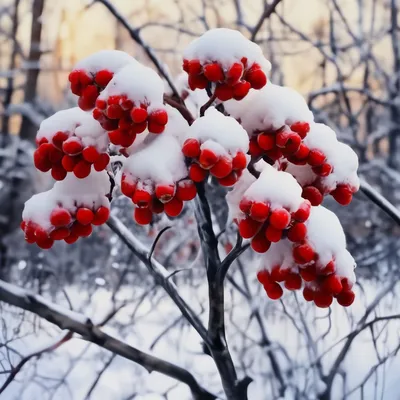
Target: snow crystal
<point>70,193</point>
<point>270,108</point>
<point>225,131</point>
<point>159,159</point>
<point>139,83</point>
<point>111,60</point>
<point>226,46</point>
<point>278,188</point>
<point>279,254</point>
<point>75,121</point>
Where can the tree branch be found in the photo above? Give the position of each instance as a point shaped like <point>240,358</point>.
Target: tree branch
<point>77,323</point>
<point>269,9</point>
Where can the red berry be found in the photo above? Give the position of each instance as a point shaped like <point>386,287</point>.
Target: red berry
<point>280,218</point>
<point>266,141</point>
<point>347,284</point>
<point>239,161</point>
<point>59,138</point>
<point>197,82</point>
<point>346,298</point>
<point>72,146</point>
<point>90,154</point>
<point>127,188</point>
<point>302,152</point>
<point>60,217</point>
<point>69,162</point>
<point>59,233</point>
<point>297,232</point>
<point>208,158</point>
<point>322,300</point>
<point>272,234</point>
<point>186,190</point>
<point>55,155</point>
<point>303,212</point>
<point>316,157</point>
<point>197,174</point>
<point>159,117</point>
<point>234,73</point>
<point>240,90</point>
<point>141,198</point>
<point>213,72</point>
<point>343,195</point>
<point>328,269</point>
<point>194,67</point>
<point>71,239</point>
<point>222,168</point>
<point>303,254</point>
<point>174,207</point>
<point>312,194</point>
<point>248,228</point>
<point>142,216</point>
<point>138,115</point>
<point>279,274</point>
<point>273,290</point>
<point>323,170</point>
<point>84,216</point>
<point>223,92</point>
<point>58,172</point>
<point>332,284</point>
<point>263,277</point>
<point>101,163</point>
<point>114,111</point>
<point>45,244</point>
<point>139,128</point>
<point>155,128</point>
<point>191,148</point>
<point>288,141</point>
<point>245,205</point>
<point>259,211</point>
<point>293,282</point>
<point>82,230</point>
<point>165,192</point>
<point>309,273</point>
<point>260,243</point>
<point>308,294</point>
<point>82,169</point>
<point>185,65</point>
<point>256,77</point>
<point>101,105</point>
<point>230,179</point>
<point>254,149</point>
<point>103,77</point>
<point>157,207</point>
<point>101,216</point>
<point>302,128</point>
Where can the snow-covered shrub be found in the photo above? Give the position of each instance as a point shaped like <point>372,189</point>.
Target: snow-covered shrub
<point>258,138</point>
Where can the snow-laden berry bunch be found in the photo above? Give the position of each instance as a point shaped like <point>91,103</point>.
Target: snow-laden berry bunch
<point>229,125</point>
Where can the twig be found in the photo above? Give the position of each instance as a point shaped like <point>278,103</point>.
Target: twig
<point>78,324</point>
<point>205,106</point>
<point>268,11</point>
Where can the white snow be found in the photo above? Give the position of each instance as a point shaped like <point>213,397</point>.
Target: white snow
<point>270,108</point>
<point>139,83</point>
<point>225,131</point>
<point>110,60</point>
<point>70,193</point>
<point>160,160</point>
<point>75,121</point>
<point>279,254</point>
<point>278,188</point>
<point>226,46</point>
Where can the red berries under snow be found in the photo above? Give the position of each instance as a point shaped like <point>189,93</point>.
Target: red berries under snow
<point>67,211</point>
<point>71,141</point>
<point>227,60</point>
<point>319,262</point>
<point>131,103</point>
<point>216,145</point>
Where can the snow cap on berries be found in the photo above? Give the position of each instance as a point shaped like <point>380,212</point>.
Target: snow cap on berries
<point>225,46</point>
<point>70,193</point>
<point>110,60</point>
<point>219,133</point>
<point>158,160</point>
<point>74,122</point>
<point>270,108</point>
<point>278,188</point>
<point>139,83</point>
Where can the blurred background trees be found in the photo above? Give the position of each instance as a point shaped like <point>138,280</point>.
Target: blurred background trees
<point>344,57</point>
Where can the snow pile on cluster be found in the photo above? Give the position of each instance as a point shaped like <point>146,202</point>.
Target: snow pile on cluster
<point>92,74</point>
<point>68,210</point>
<point>155,175</point>
<point>267,211</point>
<point>320,262</point>
<point>216,144</point>
<point>331,167</point>
<point>71,141</point>
<point>226,59</point>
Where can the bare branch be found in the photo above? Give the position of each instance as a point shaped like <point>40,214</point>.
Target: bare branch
<point>269,9</point>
